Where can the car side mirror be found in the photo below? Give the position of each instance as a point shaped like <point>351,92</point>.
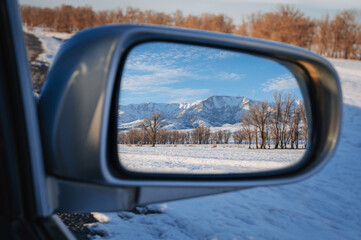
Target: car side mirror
<point>122,104</point>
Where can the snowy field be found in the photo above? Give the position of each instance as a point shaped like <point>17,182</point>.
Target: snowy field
<point>326,206</point>
<point>198,159</point>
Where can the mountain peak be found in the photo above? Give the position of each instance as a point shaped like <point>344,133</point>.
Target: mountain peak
<point>213,111</point>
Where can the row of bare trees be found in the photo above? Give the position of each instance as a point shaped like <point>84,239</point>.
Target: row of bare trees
<point>338,37</point>
<point>199,135</point>
<point>67,18</point>
<point>280,124</point>
<point>283,122</point>
<point>203,135</point>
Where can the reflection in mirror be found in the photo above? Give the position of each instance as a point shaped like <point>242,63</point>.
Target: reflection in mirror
<point>197,110</point>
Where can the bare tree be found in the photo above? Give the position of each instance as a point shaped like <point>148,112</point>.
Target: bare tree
<point>213,137</point>
<point>276,118</point>
<point>201,135</point>
<point>286,24</point>
<point>206,134</point>
<point>197,135</point>
<point>303,116</point>
<point>345,35</point>
<point>122,138</point>
<point>163,136</point>
<point>219,137</point>
<point>133,136</point>
<point>82,17</point>
<point>268,139</point>
<point>183,137</point>
<point>288,101</point>
<point>323,36</point>
<point>151,125</point>
<point>63,18</point>
<point>226,136</point>
<point>238,136</point>
<point>248,133</point>
<point>258,116</point>
<point>188,137</point>
<point>174,136</point>
<point>294,128</point>
<point>256,136</point>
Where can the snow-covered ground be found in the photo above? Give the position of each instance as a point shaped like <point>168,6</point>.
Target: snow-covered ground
<point>326,206</point>
<point>50,44</point>
<point>206,158</point>
<point>58,35</point>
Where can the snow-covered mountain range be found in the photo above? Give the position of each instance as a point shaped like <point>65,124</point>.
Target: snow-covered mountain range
<point>214,111</point>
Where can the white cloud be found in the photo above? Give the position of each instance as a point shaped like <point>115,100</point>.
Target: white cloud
<point>142,76</point>
<point>152,69</point>
<point>140,83</point>
<point>189,91</point>
<point>283,82</point>
<point>174,95</point>
<point>231,76</point>
<point>174,53</point>
<point>180,92</point>
<point>212,53</point>
<point>187,95</point>
<point>149,69</point>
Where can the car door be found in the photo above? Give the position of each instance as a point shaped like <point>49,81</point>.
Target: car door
<point>61,155</point>
<point>24,212</point>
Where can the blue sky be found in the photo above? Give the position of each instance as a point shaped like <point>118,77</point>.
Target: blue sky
<point>233,8</point>
<point>172,72</point>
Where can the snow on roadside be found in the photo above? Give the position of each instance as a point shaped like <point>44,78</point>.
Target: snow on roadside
<point>326,206</point>
<point>50,45</point>
<point>58,35</point>
<point>100,217</point>
<point>350,74</point>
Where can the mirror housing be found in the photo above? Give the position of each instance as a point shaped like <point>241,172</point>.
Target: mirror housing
<point>77,112</point>
<point>185,110</point>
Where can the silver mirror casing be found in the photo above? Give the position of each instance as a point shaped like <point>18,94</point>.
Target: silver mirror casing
<point>77,117</point>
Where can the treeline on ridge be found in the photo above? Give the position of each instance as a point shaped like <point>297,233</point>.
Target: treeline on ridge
<point>338,37</point>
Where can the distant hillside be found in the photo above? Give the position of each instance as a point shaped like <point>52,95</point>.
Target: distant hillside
<point>214,111</point>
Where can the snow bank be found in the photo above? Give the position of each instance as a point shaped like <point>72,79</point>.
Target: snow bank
<point>50,45</point>
<point>58,35</point>
<point>326,206</point>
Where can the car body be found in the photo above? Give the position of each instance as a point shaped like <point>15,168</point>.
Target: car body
<point>58,154</point>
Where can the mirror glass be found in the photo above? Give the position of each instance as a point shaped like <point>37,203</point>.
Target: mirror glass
<point>188,109</point>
